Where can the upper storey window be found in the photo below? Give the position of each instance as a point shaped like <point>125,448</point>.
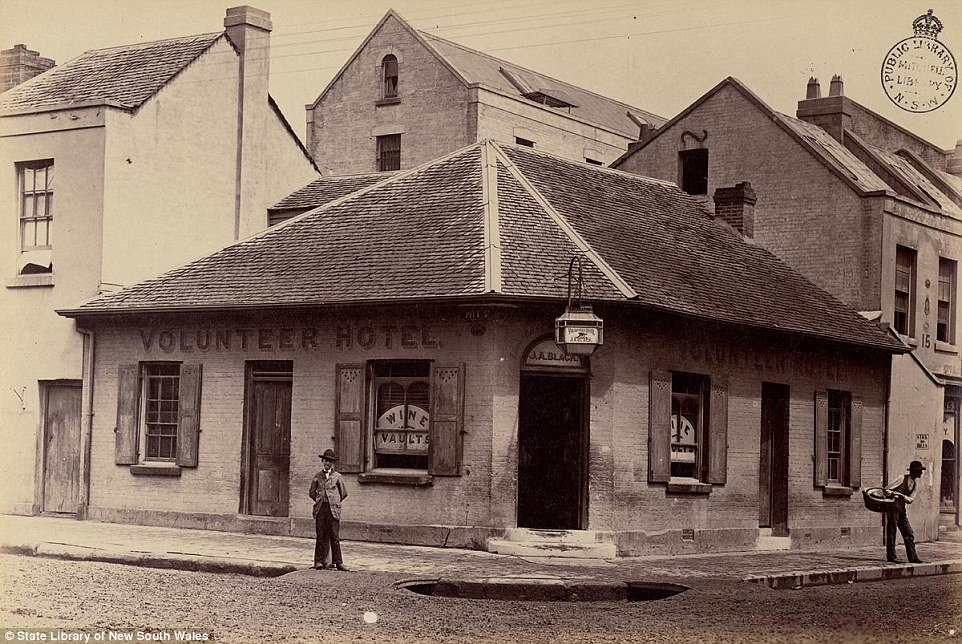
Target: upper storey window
<point>693,168</point>
<point>904,318</point>
<point>389,74</point>
<point>36,216</point>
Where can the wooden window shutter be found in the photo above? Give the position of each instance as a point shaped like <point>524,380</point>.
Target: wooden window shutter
<point>349,423</point>
<point>128,405</point>
<point>659,427</point>
<point>188,421</point>
<point>447,420</point>
<point>718,434</point>
<point>821,438</point>
<point>855,444</point>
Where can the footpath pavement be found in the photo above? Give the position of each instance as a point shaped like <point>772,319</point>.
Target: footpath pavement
<point>263,555</point>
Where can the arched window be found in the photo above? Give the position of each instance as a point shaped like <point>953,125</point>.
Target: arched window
<point>389,74</point>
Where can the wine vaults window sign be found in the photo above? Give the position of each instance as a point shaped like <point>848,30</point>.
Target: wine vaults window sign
<point>343,337</point>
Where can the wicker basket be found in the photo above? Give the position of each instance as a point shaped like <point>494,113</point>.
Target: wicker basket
<point>875,500</point>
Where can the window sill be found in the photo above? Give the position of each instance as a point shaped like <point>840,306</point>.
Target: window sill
<point>688,486</point>
<point>945,347</point>
<point>909,340</point>
<point>30,281</point>
<point>155,469</point>
<point>837,490</point>
<point>417,479</point>
<point>391,100</point>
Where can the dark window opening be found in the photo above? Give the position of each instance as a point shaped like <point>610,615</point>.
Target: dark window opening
<point>593,161</point>
<point>389,152</point>
<point>694,171</point>
<point>525,142</point>
<point>839,423</point>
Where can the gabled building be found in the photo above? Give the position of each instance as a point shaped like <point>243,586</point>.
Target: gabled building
<point>117,166</point>
<point>867,210</point>
<point>410,326</point>
<point>406,97</point>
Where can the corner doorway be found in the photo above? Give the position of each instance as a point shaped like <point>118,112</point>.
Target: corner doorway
<point>773,460</point>
<point>552,440</point>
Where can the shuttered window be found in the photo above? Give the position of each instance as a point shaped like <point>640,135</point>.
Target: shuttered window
<point>838,439</point>
<point>158,414</point>
<point>397,415</point>
<point>688,428</point>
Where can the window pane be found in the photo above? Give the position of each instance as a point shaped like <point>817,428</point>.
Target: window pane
<point>49,177</point>
<point>162,387</point>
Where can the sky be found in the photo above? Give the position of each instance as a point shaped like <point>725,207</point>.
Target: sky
<point>659,55</point>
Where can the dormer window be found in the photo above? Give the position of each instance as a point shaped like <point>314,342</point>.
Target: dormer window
<point>389,74</point>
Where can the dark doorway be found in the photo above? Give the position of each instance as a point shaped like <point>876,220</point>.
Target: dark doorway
<point>269,438</point>
<point>773,460</point>
<point>61,453</point>
<point>551,452</point>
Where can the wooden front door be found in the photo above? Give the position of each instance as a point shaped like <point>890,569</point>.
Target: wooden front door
<point>269,414</point>
<point>551,452</point>
<point>61,454</point>
<point>773,460</point>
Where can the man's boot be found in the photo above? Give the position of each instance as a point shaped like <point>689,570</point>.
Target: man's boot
<point>913,557</point>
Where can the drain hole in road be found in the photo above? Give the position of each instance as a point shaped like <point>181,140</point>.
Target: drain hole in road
<point>542,590</point>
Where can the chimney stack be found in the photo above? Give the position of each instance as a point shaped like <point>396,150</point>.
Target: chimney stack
<point>953,164</point>
<point>19,64</point>
<point>736,207</point>
<point>249,30</point>
<point>832,113</point>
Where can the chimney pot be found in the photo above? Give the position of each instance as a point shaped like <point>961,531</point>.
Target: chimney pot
<point>814,90</point>
<point>837,88</point>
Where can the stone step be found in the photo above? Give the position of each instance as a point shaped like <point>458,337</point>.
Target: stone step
<point>553,548</point>
<point>765,541</point>
<point>557,536</point>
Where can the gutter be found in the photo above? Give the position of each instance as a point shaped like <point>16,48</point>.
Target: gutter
<point>86,419</point>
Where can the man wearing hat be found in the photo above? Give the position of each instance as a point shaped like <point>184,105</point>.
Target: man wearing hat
<point>902,492</point>
<point>328,491</point>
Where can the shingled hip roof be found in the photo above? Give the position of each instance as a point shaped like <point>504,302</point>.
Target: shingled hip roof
<point>504,221</point>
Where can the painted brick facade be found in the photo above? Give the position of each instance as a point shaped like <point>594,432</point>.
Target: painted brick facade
<point>138,191</point>
<point>641,517</point>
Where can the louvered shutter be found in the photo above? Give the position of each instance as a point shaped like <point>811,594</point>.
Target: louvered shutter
<point>855,444</point>
<point>659,427</point>
<point>349,434</point>
<point>188,420</point>
<point>718,434</point>
<point>128,399</point>
<point>821,438</point>
<point>447,420</point>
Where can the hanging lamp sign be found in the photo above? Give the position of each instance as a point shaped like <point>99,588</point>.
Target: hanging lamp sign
<point>578,331</point>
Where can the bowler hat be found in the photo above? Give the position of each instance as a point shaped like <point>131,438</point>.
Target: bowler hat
<point>916,466</point>
<point>329,455</point>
